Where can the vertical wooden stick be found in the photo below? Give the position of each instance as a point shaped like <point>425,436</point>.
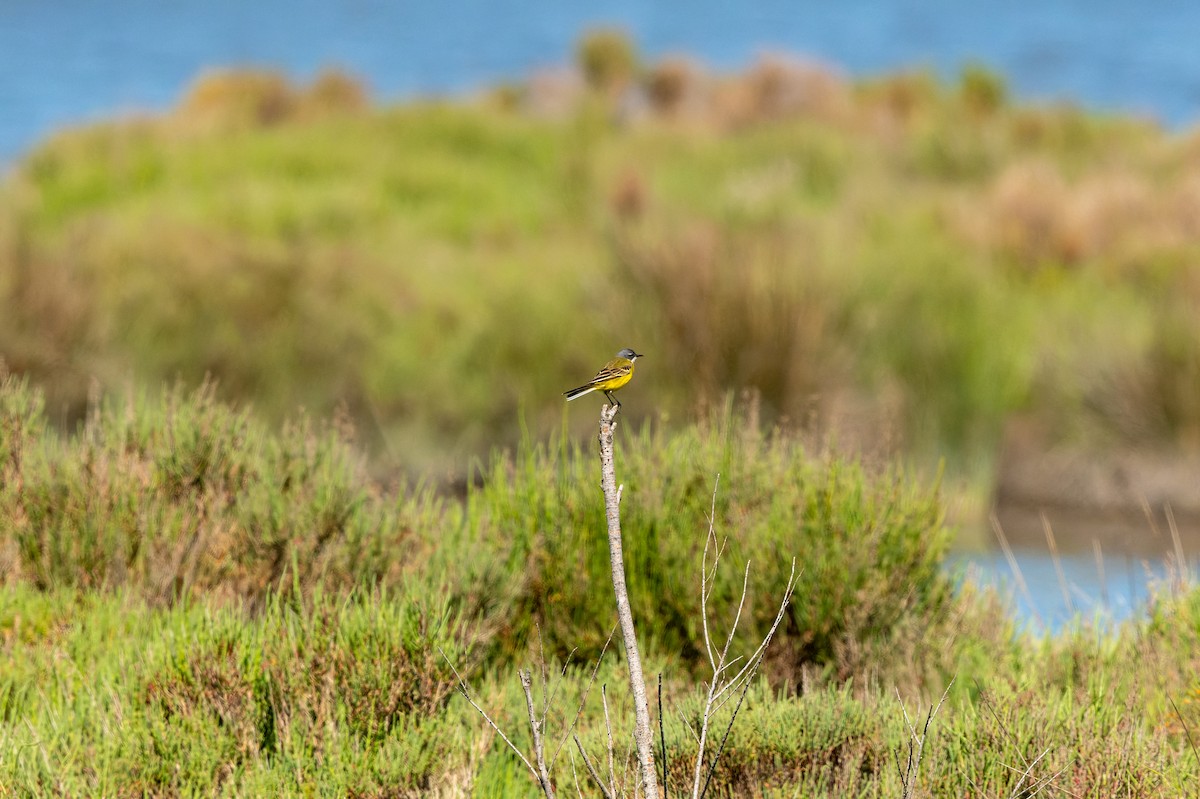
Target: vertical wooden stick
<point>642,734</point>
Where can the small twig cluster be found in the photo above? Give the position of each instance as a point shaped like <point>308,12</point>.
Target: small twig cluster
<point>728,680</point>
<point>916,744</point>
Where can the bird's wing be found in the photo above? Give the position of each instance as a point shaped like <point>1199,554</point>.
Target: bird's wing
<point>617,367</point>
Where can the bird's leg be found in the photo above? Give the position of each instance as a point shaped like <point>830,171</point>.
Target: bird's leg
<point>616,403</point>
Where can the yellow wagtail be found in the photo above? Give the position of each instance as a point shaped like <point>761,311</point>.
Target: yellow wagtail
<point>612,376</point>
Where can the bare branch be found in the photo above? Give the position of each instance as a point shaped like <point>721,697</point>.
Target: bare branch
<point>736,620</point>
<point>719,686</point>
<point>465,691</point>
<point>612,771</point>
<point>916,744</point>
<point>535,727</point>
<point>1028,770</point>
<point>762,647</point>
<point>643,735</point>
<point>749,671</point>
<point>591,769</point>
<point>583,699</point>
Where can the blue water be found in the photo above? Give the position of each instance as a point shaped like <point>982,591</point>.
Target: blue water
<point>1085,591</point>
<point>65,61</point>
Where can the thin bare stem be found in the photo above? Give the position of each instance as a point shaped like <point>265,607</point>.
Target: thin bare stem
<point>705,580</point>
<point>1183,578</point>
<point>558,683</point>
<point>591,769</point>
<point>1014,566</point>
<point>688,726</point>
<point>535,727</point>
<point>662,737</point>
<point>545,675</point>
<point>916,743</point>
<point>1186,730</point>
<point>465,691</point>
<point>575,776</point>
<point>1098,552</point>
<point>583,699</point>
<point>612,771</point>
<point>1058,567</point>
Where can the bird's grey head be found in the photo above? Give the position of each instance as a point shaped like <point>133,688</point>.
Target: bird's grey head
<point>629,353</point>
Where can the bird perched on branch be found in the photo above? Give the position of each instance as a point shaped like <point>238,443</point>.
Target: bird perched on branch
<point>612,376</point>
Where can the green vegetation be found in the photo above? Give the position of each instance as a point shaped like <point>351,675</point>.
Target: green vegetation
<point>208,590</point>
<point>898,260</point>
<point>181,498</point>
<point>192,605</point>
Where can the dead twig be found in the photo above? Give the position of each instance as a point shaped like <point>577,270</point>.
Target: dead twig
<point>466,692</point>
<point>591,769</point>
<point>535,727</point>
<point>723,687</point>
<point>916,744</point>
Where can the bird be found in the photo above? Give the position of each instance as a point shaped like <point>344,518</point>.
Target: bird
<point>612,376</point>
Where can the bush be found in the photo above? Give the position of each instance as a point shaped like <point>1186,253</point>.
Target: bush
<point>869,547</point>
<point>182,496</point>
<point>982,91</point>
<point>224,99</point>
<point>348,691</point>
<point>675,86</point>
<point>607,57</point>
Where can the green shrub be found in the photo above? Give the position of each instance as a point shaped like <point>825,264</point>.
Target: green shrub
<point>348,692</point>
<point>315,252</point>
<point>607,57</point>
<point>181,495</point>
<point>982,91</point>
<point>868,547</point>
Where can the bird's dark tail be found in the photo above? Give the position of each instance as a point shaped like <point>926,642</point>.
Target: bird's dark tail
<point>578,392</point>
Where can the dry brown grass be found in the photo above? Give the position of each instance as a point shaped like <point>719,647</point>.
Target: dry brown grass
<point>677,86</point>
<point>237,99</point>
<point>783,87</point>
<point>738,311</point>
<point>1116,219</point>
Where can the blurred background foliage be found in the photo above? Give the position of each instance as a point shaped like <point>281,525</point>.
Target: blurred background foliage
<point>900,263</point>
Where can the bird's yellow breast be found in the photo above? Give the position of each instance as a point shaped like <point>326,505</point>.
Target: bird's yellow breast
<point>615,374</point>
